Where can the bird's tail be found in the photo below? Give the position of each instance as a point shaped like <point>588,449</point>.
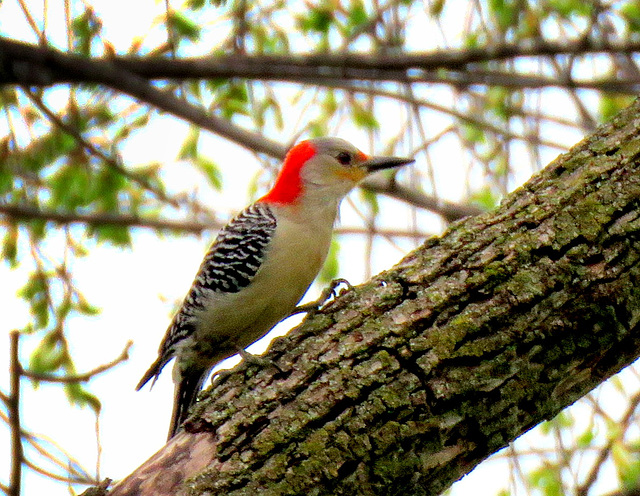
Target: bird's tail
<point>186,392</point>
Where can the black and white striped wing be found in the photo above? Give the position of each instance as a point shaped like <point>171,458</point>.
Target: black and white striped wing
<point>230,265</point>
<point>238,251</point>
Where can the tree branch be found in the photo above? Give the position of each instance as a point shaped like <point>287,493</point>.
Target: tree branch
<point>13,405</point>
<point>407,382</point>
<point>21,63</point>
<point>449,210</point>
<point>101,219</point>
<point>84,377</point>
<point>42,66</point>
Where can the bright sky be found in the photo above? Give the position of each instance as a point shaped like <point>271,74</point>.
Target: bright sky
<point>136,290</point>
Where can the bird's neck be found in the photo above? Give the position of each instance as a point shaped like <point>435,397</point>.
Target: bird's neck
<point>315,211</point>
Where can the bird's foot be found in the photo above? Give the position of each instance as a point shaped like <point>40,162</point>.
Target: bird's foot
<point>249,359</point>
<point>259,360</point>
<point>327,293</point>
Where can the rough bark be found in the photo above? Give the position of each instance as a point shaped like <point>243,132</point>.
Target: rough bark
<point>406,383</point>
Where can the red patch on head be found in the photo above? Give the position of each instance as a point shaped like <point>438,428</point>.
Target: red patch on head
<point>362,156</point>
<point>288,185</point>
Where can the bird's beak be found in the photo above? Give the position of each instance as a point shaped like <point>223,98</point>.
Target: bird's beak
<point>372,164</point>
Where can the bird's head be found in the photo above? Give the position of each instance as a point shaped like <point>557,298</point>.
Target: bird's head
<point>325,169</point>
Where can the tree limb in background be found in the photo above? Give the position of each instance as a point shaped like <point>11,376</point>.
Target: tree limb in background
<point>22,63</point>
<point>407,382</point>
<point>38,66</point>
<point>13,405</point>
<point>82,377</point>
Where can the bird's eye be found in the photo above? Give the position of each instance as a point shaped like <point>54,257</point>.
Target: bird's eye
<point>344,158</point>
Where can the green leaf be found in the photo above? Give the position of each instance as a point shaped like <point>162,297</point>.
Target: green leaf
<point>436,7</point>
<point>318,20</point>
<point>627,465</point>
<point>35,292</point>
<point>8,97</point>
<point>610,105</point>
<point>70,187</point>
<point>487,200</point>
<point>116,235</point>
<point>84,307</point>
<point>182,26</point>
<point>10,245</point>
<point>106,190</point>
<point>505,12</point>
<point>571,8</point>
<point>189,149</point>
<point>364,118</point>
<point>329,103</point>
<point>37,228</point>
<point>48,356</point>
<point>498,102</point>
<point>371,199</point>
<point>211,171</point>
<point>6,178</point>
<point>357,16</point>
<point>233,100</point>
<point>85,28</point>
<point>548,479</point>
<point>44,151</point>
<point>585,439</point>
<point>63,309</point>
<point>317,128</point>
<point>78,395</point>
<point>472,133</point>
<point>331,266</point>
<point>630,12</point>
<point>195,4</point>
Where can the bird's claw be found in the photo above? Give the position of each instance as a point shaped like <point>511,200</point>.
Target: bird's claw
<point>327,293</point>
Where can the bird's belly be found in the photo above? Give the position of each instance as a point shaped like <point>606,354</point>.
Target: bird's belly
<point>239,319</point>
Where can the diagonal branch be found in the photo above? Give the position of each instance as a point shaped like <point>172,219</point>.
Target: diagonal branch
<point>84,377</point>
<point>41,66</point>
<point>404,384</point>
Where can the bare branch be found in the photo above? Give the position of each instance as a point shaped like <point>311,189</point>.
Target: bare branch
<point>450,211</point>
<point>100,219</point>
<point>94,150</point>
<point>194,227</point>
<point>124,356</point>
<point>42,66</point>
<point>13,405</point>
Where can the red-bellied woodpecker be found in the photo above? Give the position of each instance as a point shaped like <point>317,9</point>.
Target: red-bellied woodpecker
<point>261,264</point>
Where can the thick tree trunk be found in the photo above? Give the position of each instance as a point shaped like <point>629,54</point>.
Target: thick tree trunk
<point>406,383</point>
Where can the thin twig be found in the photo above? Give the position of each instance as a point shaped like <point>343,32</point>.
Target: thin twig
<point>14,416</point>
<point>590,479</point>
<point>84,377</point>
<point>449,210</point>
<point>70,464</point>
<point>108,160</point>
<point>103,219</point>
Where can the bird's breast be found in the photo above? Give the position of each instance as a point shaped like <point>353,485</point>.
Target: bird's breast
<point>290,263</point>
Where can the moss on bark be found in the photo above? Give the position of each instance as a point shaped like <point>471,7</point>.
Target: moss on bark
<point>404,384</point>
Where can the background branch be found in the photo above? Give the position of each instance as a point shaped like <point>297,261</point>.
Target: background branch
<point>13,406</point>
<point>68,379</point>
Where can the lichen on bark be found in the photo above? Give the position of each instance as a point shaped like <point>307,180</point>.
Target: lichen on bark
<point>404,384</point>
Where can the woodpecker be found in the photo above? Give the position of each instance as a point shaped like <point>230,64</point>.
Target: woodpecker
<point>261,264</point>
